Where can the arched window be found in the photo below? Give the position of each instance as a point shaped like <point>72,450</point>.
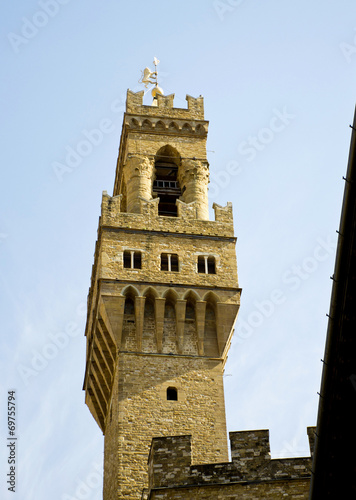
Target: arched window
<point>172,394</point>
<point>166,186</point>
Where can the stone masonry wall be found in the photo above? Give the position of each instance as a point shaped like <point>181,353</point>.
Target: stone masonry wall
<point>251,474</point>
<point>153,245</point>
<point>143,411</point>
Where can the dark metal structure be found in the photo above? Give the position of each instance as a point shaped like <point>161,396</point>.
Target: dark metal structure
<point>334,461</point>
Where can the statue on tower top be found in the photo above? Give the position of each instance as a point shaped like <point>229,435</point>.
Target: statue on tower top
<point>149,77</point>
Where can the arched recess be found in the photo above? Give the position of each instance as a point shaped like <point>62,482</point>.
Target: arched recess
<point>173,127</point>
<point>190,344</point>
<point>200,130</point>
<point>211,347</point>
<point>134,123</point>
<point>149,341</point>
<point>169,340</point>
<point>146,124</point>
<point>128,339</point>
<point>165,185</point>
<point>160,125</point>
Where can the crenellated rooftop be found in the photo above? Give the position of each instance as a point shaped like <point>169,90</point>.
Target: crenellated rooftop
<point>170,468</point>
<point>164,106</point>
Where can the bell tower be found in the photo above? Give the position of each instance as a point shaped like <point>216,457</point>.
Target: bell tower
<point>163,298</point>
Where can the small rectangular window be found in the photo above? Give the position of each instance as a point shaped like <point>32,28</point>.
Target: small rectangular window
<point>174,262</point>
<point>211,265</point>
<point>164,262</point>
<point>206,264</point>
<point>127,259</point>
<point>172,394</point>
<point>169,262</point>
<point>132,259</point>
<point>137,260</point>
<point>201,264</point>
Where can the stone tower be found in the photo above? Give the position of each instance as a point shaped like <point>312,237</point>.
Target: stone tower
<point>163,298</point>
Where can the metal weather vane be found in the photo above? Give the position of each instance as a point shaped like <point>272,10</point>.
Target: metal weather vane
<point>149,77</point>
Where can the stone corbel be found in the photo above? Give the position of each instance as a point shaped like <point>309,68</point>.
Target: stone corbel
<point>139,315</point>
<point>159,320</point>
<point>225,318</point>
<point>180,322</point>
<point>200,308</point>
<point>112,311</point>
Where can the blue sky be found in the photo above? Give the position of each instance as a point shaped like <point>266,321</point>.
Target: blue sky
<point>278,79</point>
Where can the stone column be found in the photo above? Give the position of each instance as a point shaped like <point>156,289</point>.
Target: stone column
<point>193,178</point>
<point>138,175</point>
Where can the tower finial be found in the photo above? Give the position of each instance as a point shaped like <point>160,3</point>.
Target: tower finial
<point>151,77</point>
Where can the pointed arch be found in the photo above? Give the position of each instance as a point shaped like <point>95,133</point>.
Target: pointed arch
<point>146,124</point>
<point>191,295</point>
<point>200,129</point>
<point>130,291</point>
<point>150,292</point>
<point>170,295</point>
<point>173,127</point>
<point>212,298</point>
<point>134,123</point>
<point>186,128</point>
<point>160,125</point>
<point>168,153</point>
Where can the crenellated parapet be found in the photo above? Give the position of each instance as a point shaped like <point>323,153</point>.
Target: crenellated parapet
<point>251,473</point>
<point>194,111</point>
<point>147,216</point>
<point>149,130</point>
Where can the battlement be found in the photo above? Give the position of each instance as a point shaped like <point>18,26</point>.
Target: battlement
<point>170,467</point>
<point>164,106</point>
<point>148,218</point>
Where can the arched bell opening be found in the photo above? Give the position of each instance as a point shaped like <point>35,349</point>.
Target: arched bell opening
<point>165,185</point>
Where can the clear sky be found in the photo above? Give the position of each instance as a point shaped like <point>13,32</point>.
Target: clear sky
<point>278,79</point>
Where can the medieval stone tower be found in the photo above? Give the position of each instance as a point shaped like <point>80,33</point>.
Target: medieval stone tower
<point>163,298</point>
